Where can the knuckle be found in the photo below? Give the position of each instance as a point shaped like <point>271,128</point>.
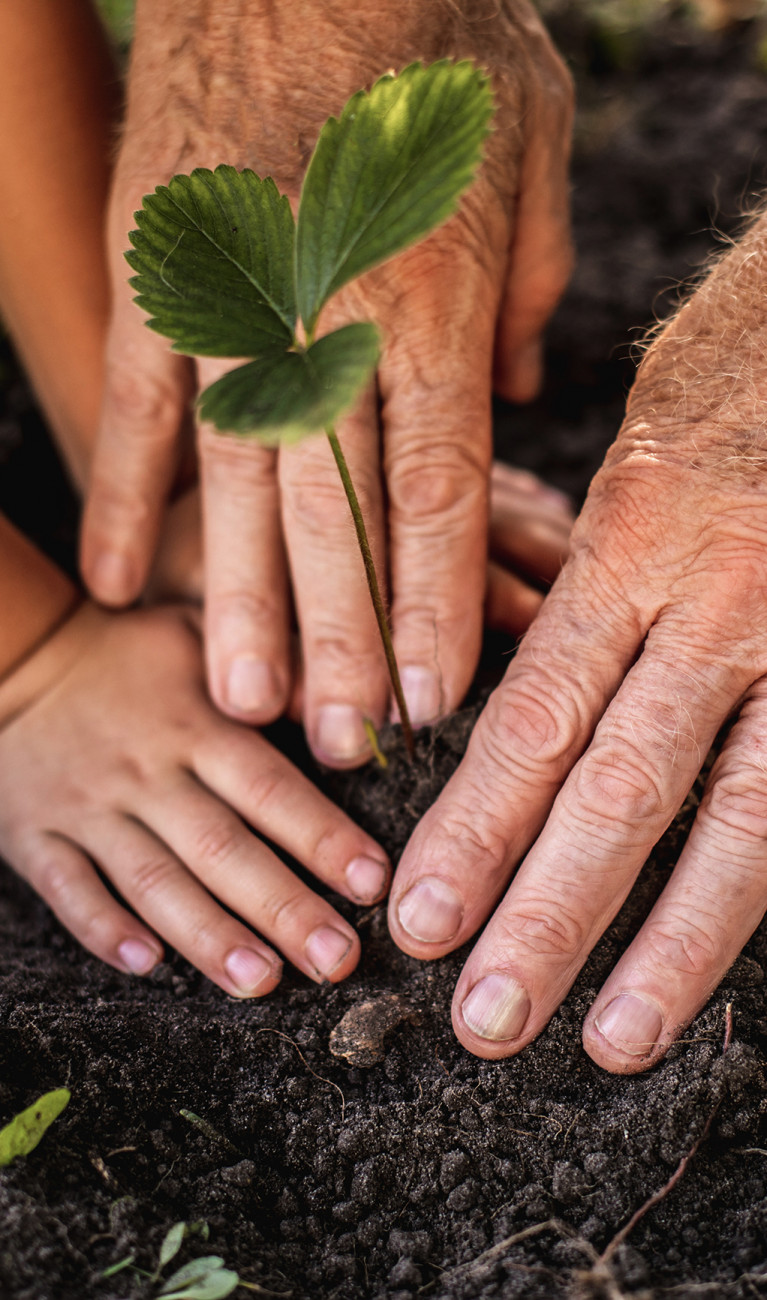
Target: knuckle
<point>145,404</point>
<point>613,789</point>
<point>542,928</point>
<point>238,465</point>
<point>682,946</point>
<point>244,608</point>
<point>482,838</point>
<point>534,725</point>
<point>317,506</point>
<point>284,914</point>
<point>150,877</point>
<point>434,481</point>
<point>215,843</point>
<point>735,805</point>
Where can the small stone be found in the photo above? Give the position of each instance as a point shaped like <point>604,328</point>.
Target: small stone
<point>359,1035</point>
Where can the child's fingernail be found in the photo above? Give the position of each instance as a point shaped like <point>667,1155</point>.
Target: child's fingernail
<point>326,949</point>
<point>431,911</point>
<point>247,969</point>
<point>630,1024</point>
<point>252,685</point>
<point>366,878</point>
<point>138,956</point>
<point>340,732</point>
<point>423,694</point>
<point>111,576</point>
<point>497,1007</point>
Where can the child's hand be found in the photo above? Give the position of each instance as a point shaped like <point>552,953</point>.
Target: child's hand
<point>113,761</point>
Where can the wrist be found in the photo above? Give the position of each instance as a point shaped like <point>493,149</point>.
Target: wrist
<point>49,660</point>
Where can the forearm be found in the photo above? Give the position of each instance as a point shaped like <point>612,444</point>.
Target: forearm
<point>35,597</point>
<point>59,97</point>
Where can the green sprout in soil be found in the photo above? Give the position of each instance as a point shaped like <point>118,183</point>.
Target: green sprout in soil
<point>205,1278</point>
<point>25,1130</point>
<point>224,270</point>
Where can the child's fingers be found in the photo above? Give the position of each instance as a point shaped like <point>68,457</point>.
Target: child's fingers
<point>248,877</point>
<point>66,880</point>
<point>169,899</point>
<point>271,795</point>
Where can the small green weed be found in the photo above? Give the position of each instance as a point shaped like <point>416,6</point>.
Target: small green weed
<point>25,1130</point>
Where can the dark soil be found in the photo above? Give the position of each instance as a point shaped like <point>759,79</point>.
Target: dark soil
<point>427,1172</point>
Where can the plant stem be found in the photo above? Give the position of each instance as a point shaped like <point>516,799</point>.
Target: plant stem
<point>375,592</point>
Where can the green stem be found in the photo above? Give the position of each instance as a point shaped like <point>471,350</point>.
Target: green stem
<point>375,593</point>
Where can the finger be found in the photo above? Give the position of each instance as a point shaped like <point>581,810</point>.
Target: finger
<point>540,256</point>
<point>711,906</point>
<point>271,795</point>
<point>237,868</point>
<point>172,902</point>
<point>345,679</point>
<point>510,604</point>
<point>533,730</point>
<point>435,384</point>
<point>62,875</point>
<point>613,808</point>
<point>246,585</point>
<point>146,395</point>
<point>530,523</point>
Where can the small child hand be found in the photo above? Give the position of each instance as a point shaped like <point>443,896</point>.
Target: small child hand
<point>113,761</point>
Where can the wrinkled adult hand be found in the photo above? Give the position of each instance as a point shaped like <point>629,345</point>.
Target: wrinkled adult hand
<point>654,633</point>
<point>206,87</point>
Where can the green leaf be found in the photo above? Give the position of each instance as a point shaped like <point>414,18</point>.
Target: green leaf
<point>171,1244</point>
<point>202,1279</point>
<point>385,173</point>
<point>213,254</point>
<point>283,397</point>
<point>24,1131</point>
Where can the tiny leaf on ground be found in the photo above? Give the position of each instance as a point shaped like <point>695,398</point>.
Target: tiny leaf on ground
<point>283,397</point>
<point>213,256</point>
<point>24,1131</point>
<point>386,172</point>
<point>202,1279</point>
<point>171,1244</point>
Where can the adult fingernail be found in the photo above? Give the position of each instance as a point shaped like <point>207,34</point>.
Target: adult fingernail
<point>252,685</point>
<point>497,1007</point>
<point>111,577</point>
<point>431,911</point>
<point>326,949</point>
<point>247,969</point>
<point>366,878</point>
<point>630,1024</point>
<point>138,956</point>
<point>340,733</point>
<point>423,694</point>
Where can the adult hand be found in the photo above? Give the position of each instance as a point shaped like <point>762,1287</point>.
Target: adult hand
<point>204,89</point>
<point>112,756</point>
<point>654,633</point>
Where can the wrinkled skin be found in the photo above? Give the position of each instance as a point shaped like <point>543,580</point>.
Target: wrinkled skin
<point>654,633</point>
<point>112,757</point>
<point>251,85</point>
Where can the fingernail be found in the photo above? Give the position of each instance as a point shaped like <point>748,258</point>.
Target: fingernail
<point>497,1007</point>
<point>528,367</point>
<point>111,580</point>
<point>138,956</point>
<point>423,694</point>
<point>252,685</point>
<point>366,878</point>
<point>247,969</point>
<point>326,949</point>
<point>340,733</point>
<point>431,911</point>
<point>630,1024</point>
